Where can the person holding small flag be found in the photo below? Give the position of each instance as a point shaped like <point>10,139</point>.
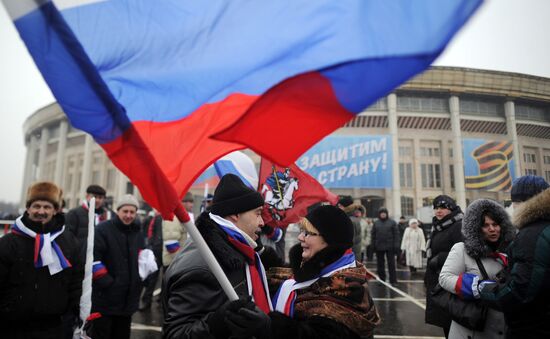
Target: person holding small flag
<point>41,270</point>
<point>195,306</point>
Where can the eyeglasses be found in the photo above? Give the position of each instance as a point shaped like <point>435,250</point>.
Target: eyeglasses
<point>307,233</point>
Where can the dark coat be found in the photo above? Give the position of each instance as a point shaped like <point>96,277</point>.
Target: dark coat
<point>76,221</point>
<point>154,242</point>
<point>117,246</point>
<point>356,222</point>
<point>31,298</point>
<point>191,292</point>
<point>445,233</point>
<point>523,292</point>
<point>385,235</point>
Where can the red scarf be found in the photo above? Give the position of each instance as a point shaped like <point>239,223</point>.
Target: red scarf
<point>150,227</point>
<point>503,258</point>
<point>258,290</point>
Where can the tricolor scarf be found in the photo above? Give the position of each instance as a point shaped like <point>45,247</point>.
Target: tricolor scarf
<point>46,250</point>
<point>106,215</point>
<point>502,258</point>
<point>285,297</point>
<point>255,272</point>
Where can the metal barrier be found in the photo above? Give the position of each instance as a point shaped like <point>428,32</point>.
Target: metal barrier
<point>5,226</point>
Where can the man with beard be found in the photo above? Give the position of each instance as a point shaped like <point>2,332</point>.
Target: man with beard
<point>40,271</point>
<point>116,280</point>
<point>195,305</point>
<point>446,231</point>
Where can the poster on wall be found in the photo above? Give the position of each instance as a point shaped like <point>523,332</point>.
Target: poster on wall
<point>350,161</point>
<point>488,165</point>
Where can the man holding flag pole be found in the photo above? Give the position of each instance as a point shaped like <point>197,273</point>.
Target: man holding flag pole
<point>194,304</point>
<point>144,79</point>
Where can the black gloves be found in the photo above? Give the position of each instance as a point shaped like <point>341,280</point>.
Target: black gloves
<point>247,321</point>
<point>240,318</point>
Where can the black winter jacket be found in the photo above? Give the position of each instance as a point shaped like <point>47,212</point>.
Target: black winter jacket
<point>385,235</point>
<point>445,233</point>
<point>76,221</point>
<point>524,291</point>
<point>191,292</point>
<point>117,246</point>
<point>154,243</point>
<point>31,298</point>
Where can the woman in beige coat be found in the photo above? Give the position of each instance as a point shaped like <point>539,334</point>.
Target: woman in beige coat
<point>173,236</point>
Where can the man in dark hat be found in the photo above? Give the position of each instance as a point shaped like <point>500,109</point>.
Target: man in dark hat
<point>34,294</point>
<point>77,218</point>
<point>523,293</point>
<point>446,231</point>
<point>194,302</point>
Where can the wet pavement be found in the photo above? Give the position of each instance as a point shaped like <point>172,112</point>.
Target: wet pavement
<point>401,307</point>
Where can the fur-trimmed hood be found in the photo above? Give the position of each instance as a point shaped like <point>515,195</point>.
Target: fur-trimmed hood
<point>471,226</point>
<point>536,208</point>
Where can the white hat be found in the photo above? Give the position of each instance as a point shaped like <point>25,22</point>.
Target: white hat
<point>127,199</point>
<point>413,221</point>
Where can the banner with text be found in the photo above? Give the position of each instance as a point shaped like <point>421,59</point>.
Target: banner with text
<point>488,165</point>
<point>350,161</point>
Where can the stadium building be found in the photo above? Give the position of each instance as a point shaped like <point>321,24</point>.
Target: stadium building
<point>457,131</point>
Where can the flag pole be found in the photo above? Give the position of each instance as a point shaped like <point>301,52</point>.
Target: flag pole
<point>205,252</point>
<point>86,297</point>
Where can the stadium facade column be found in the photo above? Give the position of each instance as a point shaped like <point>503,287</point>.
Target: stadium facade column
<point>44,137</point>
<point>458,157</point>
<point>510,113</point>
<point>29,164</point>
<point>87,164</point>
<point>396,185</point>
<point>417,174</point>
<point>60,156</point>
<point>120,186</point>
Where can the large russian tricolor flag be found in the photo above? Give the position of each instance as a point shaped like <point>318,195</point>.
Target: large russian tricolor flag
<point>166,87</point>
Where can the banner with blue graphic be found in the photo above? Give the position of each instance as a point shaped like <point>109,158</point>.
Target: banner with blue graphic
<point>488,165</point>
<point>350,161</point>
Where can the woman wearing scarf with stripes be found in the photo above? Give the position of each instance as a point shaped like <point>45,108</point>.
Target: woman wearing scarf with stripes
<point>325,294</point>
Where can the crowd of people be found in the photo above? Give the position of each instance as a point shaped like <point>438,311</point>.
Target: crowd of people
<point>480,258</point>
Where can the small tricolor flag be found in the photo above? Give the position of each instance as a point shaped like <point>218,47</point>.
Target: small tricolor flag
<point>172,246</point>
<point>98,270</point>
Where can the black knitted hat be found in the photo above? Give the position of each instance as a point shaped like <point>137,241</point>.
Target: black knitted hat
<point>333,224</point>
<point>96,189</point>
<point>526,187</point>
<point>232,196</point>
<point>345,200</point>
<point>445,201</point>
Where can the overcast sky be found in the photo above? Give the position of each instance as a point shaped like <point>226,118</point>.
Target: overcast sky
<point>505,35</point>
